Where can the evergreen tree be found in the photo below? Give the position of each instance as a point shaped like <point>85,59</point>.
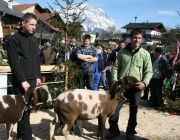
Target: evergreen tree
<point>68,20</point>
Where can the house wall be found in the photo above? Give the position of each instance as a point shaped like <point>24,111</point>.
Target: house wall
<point>151,40</point>
<point>9,24</point>
<point>30,10</point>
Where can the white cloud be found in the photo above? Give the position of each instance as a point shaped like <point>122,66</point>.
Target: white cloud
<point>167,13</point>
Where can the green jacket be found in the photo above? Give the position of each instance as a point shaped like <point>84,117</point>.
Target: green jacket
<point>137,64</point>
<point>3,55</point>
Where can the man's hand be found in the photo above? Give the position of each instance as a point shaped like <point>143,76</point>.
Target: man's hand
<point>25,85</point>
<point>140,85</point>
<point>38,82</point>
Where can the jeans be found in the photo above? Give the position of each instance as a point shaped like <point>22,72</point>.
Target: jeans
<point>86,78</point>
<point>103,80</point>
<point>156,91</point>
<point>96,78</point>
<point>24,130</point>
<point>134,99</point>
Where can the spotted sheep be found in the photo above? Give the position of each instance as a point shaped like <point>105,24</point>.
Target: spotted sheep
<point>13,106</point>
<point>83,104</point>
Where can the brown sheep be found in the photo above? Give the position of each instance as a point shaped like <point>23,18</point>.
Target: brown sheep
<point>13,106</point>
<point>83,104</point>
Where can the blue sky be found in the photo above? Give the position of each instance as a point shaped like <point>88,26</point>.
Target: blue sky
<point>124,11</point>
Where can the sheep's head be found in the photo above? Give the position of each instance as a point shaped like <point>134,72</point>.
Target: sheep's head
<point>41,94</point>
<point>129,82</point>
<point>122,86</point>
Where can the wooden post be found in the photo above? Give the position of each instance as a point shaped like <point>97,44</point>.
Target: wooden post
<point>66,78</point>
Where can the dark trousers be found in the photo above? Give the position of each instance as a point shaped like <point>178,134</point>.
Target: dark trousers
<point>86,78</point>
<point>146,92</point>
<point>109,78</point>
<point>134,98</point>
<point>24,130</point>
<point>156,91</point>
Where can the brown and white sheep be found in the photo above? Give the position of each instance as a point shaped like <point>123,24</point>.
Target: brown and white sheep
<point>13,106</point>
<point>83,104</point>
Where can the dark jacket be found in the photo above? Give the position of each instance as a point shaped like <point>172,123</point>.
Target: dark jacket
<point>23,56</point>
<point>165,68</point>
<point>112,56</point>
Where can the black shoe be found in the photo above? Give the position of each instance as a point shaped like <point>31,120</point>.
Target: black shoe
<point>144,98</point>
<point>112,135</point>
<point>130,137</point>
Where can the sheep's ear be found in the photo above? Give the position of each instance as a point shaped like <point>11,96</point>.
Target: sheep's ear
<point>27,95</point>
<point>112,91</point>
<point>35,99</point>
<point>45,87</point>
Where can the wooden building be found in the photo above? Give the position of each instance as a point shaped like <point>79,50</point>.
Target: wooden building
<point>45,28</point>
<point>152,32</point>
<point>9,18</point>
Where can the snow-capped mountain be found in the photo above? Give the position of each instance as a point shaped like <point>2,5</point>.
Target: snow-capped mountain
<point>96,20</point>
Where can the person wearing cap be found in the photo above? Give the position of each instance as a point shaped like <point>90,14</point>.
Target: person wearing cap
<point>49,55</point>
<point>105,67</point>
<point>98,67</point>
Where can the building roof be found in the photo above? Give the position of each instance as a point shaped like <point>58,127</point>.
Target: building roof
<point>44,16</point>
<point>14,12</point>
<point>49,25</point>
<point>144,25</point>
<point>22,7</point>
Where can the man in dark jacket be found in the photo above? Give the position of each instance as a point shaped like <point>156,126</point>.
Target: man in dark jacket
<point>25,66</point>
<point>114,53</point>
<point>147,89</point>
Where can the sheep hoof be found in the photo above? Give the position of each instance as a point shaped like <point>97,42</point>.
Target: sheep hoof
<point>53,138</point>
<point>58,132</point>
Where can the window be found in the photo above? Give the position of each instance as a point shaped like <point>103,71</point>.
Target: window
<point>6,21</point>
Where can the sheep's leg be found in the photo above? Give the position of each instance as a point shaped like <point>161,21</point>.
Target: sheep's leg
<point>65,132</point>
<point>52,127</point>
<point>60,127</point>
<point>67,128</point>
<point>9,127</point>
<point>103,121</point>
<point>79,126</point>
<point>99,127</point>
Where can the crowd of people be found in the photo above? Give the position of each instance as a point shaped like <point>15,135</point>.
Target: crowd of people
<point>99,65</point>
